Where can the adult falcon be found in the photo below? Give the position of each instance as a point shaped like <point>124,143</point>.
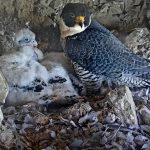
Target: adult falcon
<point>97,54</point>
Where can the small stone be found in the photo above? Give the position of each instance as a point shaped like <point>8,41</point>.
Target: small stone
<point>115,9</point>
<point>48,148</point>
<point>7,137</point>
<point>45,3</point>
<point>53,134</point>
<point>63,131</point>
<point>76,143</point>
<point>141,140</point>
<point>2,32</point>
<point>146,146</point>
<point>110,118</point>
<point>42,120</point>
<point>145,114</point>
<point>9,110</point>
<point>103,140</point>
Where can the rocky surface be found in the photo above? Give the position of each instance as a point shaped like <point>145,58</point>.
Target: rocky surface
<point>125,14</point>
<point>139,42</point>
<point>76,123</point>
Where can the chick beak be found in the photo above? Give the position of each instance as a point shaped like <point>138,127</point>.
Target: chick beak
<point>80,20</point>
<point>35,44</point>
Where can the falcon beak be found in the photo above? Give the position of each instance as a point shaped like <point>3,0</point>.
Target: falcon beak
<point>80,20</point>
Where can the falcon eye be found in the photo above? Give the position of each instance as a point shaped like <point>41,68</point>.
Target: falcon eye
<point>72,15</point>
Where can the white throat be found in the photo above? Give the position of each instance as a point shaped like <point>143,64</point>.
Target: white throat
<point>69,31</point>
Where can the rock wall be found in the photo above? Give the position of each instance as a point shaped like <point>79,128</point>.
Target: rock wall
<point>123,15</point>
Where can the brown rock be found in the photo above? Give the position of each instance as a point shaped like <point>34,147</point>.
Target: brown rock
<point>123,105</point>
<point>145,114</point>
<point>122,15</point>
<point>139,42</point>
<point>7,137</point>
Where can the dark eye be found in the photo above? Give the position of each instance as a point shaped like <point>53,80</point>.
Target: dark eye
<point>19,41</point>
<point>26,39</point>
<point>72,15</point>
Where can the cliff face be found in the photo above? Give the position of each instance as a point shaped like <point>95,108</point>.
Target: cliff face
<point>123,15</point>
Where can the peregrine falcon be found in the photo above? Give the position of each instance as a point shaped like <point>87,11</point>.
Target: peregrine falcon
<point>97,54</point>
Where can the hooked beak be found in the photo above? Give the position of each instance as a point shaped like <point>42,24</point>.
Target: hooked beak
<point>80,20</point>
<point>35,43</point>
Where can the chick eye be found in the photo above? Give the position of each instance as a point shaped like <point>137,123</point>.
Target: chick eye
<point>26,39</point>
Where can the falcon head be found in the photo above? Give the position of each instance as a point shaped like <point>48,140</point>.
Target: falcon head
<point>25,37</point>
<point>75,18</point>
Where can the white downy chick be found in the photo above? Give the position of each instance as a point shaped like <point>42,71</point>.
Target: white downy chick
<point>59,68</point>
<point>25,51</point>
<point>22,64</point>
<point>57,64</point>
<point>26,77</point>
<point>60,62</point>
<point>18,65</point>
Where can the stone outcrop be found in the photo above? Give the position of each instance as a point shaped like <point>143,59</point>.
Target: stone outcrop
<point>123,15</point>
